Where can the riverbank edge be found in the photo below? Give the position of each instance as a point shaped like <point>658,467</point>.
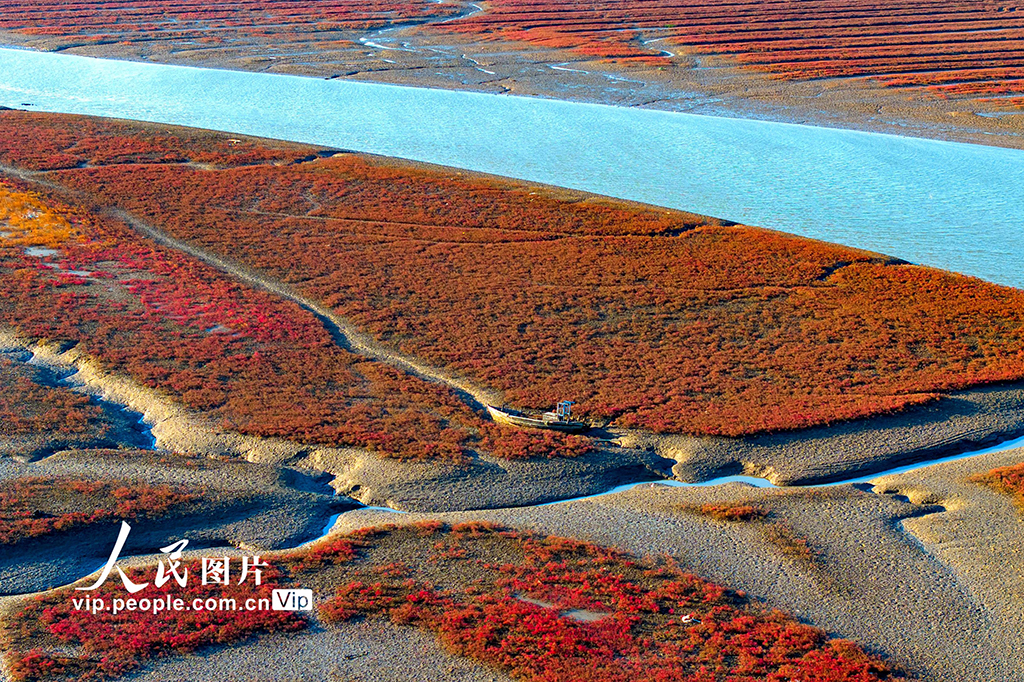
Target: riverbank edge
<point>955,424</point>
<point>725,90</point>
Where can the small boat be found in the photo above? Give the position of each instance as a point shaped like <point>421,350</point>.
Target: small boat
<point>559,420</point>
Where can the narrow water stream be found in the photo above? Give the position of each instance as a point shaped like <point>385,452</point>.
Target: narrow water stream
<point>765,483</point>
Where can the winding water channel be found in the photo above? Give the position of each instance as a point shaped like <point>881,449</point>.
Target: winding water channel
<point>955,206</point>
<point>765,483</point>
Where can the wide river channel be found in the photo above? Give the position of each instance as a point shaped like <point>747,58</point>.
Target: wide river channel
<point>954,206</point>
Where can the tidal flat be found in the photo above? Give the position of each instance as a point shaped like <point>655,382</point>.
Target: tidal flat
<point>258,378</point>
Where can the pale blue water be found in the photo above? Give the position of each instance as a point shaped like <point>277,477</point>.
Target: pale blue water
<point>955,206</point>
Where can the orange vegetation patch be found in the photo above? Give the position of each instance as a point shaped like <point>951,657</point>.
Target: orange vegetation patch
<point>963,48</point>
<point>652,318</point>
<point>728,511</point>
<point>971,48</point>
<point>256,363</point>
<point>202,25</point>
<point>111,644</point>
<point>550,608</point>
<point>73,142</point>
<point>37,506</point>
<point>28,407</point>
<point>1007,480</point>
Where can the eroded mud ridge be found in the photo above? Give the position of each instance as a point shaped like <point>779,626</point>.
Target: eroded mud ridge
<point>243,341</point>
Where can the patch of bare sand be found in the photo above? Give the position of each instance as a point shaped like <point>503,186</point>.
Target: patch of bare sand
<point>369,651</point>
<point>979,536</point>
<point>953,424</point>
<point>863,577</point>
<point>485,482</point>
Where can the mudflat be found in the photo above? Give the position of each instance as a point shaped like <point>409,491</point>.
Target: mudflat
<point>250,381</point>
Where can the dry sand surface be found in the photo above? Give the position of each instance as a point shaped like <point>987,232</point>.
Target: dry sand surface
<point>980,536</point>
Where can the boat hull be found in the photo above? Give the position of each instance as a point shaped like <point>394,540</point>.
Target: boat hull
<point>502,417</point>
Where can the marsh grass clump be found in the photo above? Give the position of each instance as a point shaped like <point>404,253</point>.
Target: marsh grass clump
<point>789,542</point>
<point>29,406</point>
<point>1007,480</point>
<point>38,506</point>
<point>777,532</point>
<point>733,512</point>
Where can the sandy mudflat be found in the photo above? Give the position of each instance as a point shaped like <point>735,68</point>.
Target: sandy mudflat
<point>369,651</point>
<point>929,574</point>
<point>869,579</point>
<point>925,571</point>
<point>980,536</point>
<point>260,507</point>
<point>959,422</point>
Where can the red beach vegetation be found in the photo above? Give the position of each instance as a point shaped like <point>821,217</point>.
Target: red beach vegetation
<point>540,608</point>
<point>38,506</point>
<point>29,407</point>
<point>258,364</point>
<point>965,49</point>
<point>647,317</point>
<point>202,25</point>
<point>733,512</point>
<point>550,608</point>
<point>968,49</point>
<point>112,644</point>
<point>1007,480</point>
